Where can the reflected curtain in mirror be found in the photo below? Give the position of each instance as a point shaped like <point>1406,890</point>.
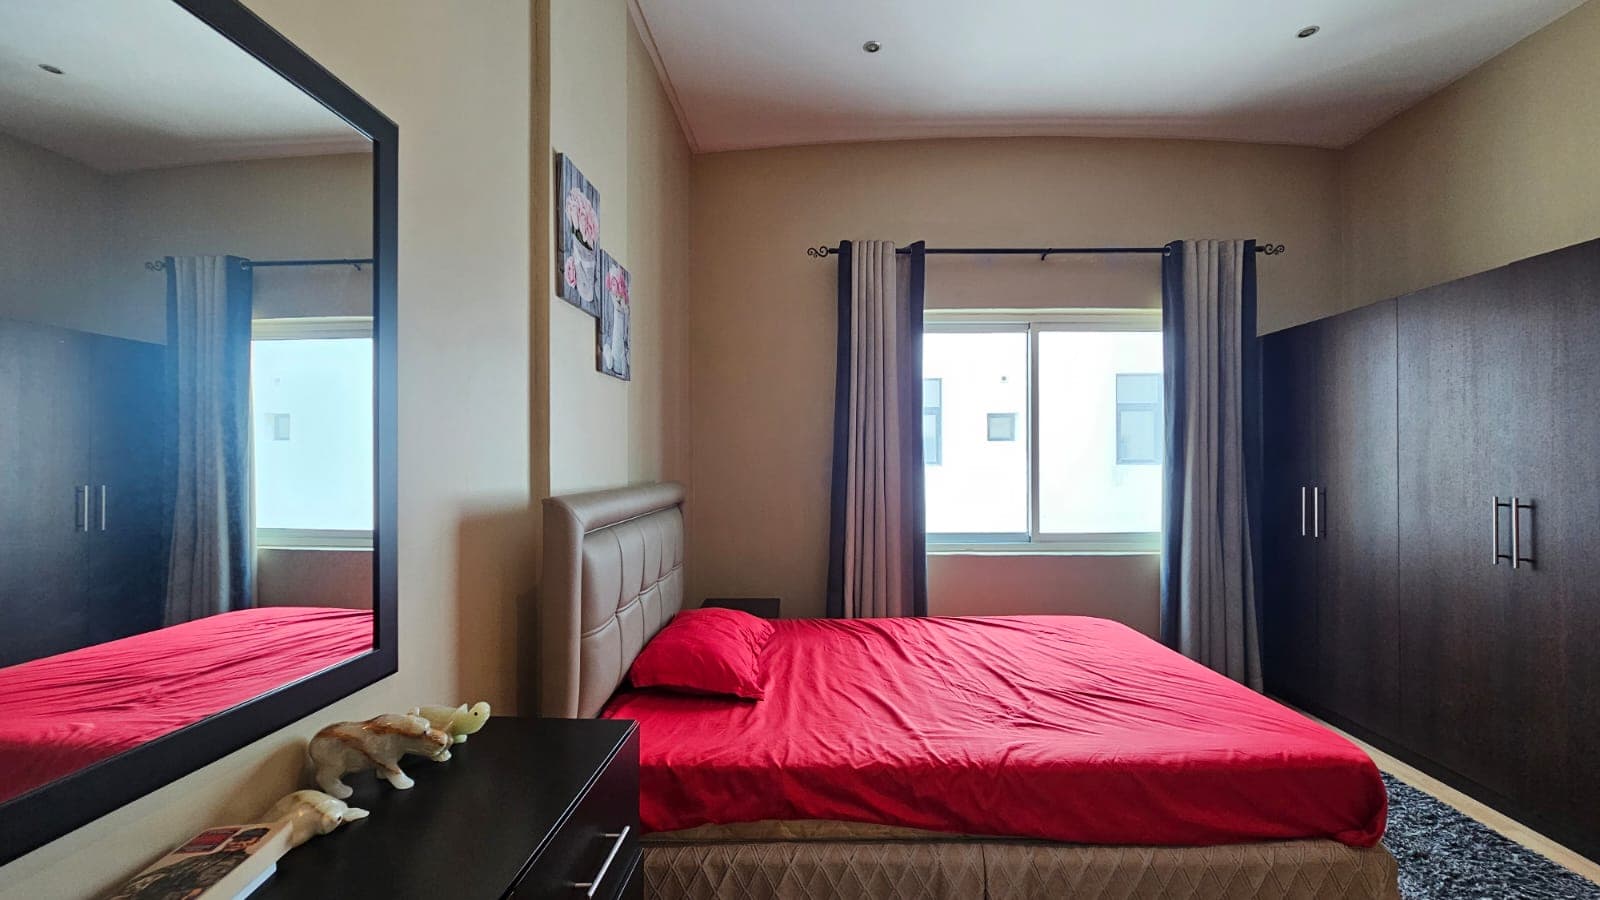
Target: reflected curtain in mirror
<point>210,566</point>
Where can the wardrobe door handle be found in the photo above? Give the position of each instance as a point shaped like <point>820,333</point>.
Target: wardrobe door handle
<point>1302,510</point>
<point>1517,506</point>
<point>1494,515</point>
<point>80,507</point>
<point>1316,513</point>
<point>102,507</point>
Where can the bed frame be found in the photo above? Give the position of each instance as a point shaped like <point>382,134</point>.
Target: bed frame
<point>613,575</point>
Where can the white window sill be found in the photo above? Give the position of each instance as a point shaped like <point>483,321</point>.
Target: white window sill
<point>1035,550</point>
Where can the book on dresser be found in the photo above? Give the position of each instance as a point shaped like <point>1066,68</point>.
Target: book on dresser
<point>227,862</point>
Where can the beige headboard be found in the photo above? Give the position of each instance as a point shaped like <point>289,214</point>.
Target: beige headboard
<point>612,576</point>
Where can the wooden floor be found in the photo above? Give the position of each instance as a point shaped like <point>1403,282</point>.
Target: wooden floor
<point>1507,826</point>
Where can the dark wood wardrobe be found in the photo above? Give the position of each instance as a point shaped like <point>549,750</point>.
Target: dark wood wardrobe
<point>82,535</point>
<point>1432,532</point>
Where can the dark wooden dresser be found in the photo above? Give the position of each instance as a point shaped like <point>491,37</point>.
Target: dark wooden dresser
<point>527,808</point>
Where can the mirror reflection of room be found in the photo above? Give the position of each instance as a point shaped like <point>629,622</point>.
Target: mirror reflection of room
<point>186,382</point>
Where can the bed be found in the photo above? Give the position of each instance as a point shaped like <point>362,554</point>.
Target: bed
<point>1023,757</point>
<point>62,713</point>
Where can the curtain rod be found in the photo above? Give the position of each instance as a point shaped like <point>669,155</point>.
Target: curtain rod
<point>159,264</point>
<point>1041,252</point>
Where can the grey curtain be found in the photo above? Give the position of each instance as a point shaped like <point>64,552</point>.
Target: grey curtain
<point>1210,564</point>
<point>877,542</point>
<point>211,562</point>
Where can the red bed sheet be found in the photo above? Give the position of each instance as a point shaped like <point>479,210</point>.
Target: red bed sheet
<point>61,713</point>
<point>1056,727</point>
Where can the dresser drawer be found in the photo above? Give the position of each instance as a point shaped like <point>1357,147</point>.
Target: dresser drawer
<point>601,835</point>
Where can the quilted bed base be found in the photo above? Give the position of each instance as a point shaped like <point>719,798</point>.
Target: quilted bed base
<point>1013,870</point>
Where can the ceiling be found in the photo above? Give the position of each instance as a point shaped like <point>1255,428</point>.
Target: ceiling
<point>145,85</point>
<point>764,73</point>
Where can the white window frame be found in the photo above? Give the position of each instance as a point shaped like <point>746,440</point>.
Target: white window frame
<point>1035,322</point>
<point>306,328</point>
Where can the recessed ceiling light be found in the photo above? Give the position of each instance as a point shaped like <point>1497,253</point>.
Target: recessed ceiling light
<point>1308,31</point>
<point>872,46</point>
<point>49,68</point>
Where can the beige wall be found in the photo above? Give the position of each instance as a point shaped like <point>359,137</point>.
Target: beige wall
<point>458,87</point>
<point>762,341</point>
<point>299,208</point>
<point>610,115</point>
<point>56,223</point>
<point>1125,588</point>
<point>313,577</point>
<point>77,240</point>
<point>1498,167</point>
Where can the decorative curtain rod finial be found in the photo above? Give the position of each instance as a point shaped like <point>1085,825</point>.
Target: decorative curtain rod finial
<point>156,265</point>
<point>1271,249</point>
<point>819,251</point>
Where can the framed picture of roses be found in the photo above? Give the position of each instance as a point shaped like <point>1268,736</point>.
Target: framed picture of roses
<point>577,238</point>
<point>612,350</point>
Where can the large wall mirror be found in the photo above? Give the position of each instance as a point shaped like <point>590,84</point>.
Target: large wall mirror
<point>197,367</point>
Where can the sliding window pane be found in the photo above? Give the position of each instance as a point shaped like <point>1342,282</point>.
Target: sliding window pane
<point>980,484</point>
<point>312,405</point>
<point>1100,432</point>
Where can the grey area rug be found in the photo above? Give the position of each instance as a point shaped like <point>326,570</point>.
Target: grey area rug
<point>1445,855</point>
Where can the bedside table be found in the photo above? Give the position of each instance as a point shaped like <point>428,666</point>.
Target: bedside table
<point>765,607</point>
<point>526,808</point>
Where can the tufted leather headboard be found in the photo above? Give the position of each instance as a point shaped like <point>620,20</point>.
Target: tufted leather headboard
<point>613,575</point>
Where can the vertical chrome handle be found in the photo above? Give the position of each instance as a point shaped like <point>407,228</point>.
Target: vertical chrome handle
<point>1517,506</point>
<point>102,507</point>
<point>1316,513</point>
<point>80,507</point>
<point>592,885</point>
<point>1302,510</point>
<point>1516,532</point>
<point>1494,514</point>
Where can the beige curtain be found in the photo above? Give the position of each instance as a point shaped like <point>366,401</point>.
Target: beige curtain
<point>878,559</point>
<point>1209,567</point>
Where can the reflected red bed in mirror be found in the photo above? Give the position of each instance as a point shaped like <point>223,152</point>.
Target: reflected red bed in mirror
<point>61,713</point>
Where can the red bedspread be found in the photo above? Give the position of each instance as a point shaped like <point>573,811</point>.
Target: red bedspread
<point>61,713</point>
<point>1055,727</point>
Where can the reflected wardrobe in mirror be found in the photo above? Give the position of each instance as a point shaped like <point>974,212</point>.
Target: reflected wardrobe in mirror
<point>188,487</point>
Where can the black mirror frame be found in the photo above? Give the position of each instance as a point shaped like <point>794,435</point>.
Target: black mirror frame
<point>33,819</point>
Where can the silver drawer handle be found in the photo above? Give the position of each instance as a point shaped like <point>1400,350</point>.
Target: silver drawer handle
<point>600,876</point>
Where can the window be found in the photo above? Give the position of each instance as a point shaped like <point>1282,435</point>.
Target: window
<point>932,421</point>
<point>1002,426</point>
<point>1077,467</point>
<point>1139,431</point>
<point>311,432</point>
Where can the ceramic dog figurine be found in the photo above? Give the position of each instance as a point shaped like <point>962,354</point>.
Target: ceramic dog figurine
<point>456,721</point>
<point>311,813</point>
<point>378,743</point>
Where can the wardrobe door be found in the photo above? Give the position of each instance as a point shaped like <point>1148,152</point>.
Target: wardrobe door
<point>1289,573</point>
<point>1553,664</point>
<point>43,473</point>
<point>1358,626</point>
<point>128,550</point>
<point>1462,346</point>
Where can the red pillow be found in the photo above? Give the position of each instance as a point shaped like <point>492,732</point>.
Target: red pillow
<point>705,651</point>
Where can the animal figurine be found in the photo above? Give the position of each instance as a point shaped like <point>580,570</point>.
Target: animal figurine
<point>378,743</point>
<point>456,721</point>
<point>311,813</point>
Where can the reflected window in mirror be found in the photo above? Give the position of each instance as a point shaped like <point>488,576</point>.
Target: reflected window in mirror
<point>311,390</point>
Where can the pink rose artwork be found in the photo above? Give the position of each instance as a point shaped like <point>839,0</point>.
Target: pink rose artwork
<point>570,272</point>
<point>581,213</point>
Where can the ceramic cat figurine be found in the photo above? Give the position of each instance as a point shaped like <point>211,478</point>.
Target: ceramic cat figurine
<point>378,743</point>
<point>311,813</point>
<point>456,721</point>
